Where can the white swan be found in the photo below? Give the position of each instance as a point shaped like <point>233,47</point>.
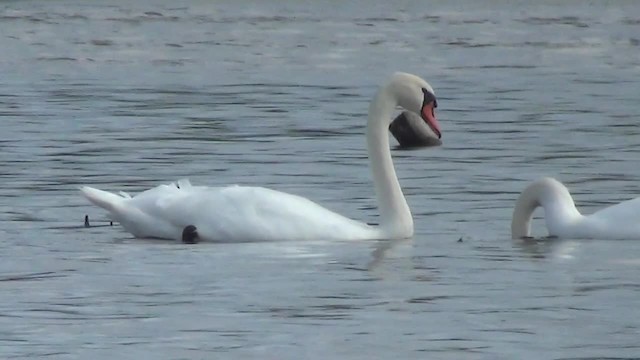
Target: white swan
<point>620,221</point>
<point>238,213</point>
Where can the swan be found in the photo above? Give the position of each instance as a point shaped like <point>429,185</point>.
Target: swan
<point>235,213</point>
<point>620,221</point>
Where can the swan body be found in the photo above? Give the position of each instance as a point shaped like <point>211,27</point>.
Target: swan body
<point>563,220</point>
<point>240,213</point>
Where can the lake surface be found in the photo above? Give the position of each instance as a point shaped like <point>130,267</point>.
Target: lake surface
<point>128,95</point>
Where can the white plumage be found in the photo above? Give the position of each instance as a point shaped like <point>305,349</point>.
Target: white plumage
<point>620,221</point>
<point>239,213</point>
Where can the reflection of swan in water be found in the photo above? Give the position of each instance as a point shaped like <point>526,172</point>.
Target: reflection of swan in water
<point>382,250</point>
<point>550,247</point>
<point>237,213</point>
<point>620,221</point>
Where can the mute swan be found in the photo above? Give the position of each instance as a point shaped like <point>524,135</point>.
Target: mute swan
<point>620,221</point>
<point>238,213</point>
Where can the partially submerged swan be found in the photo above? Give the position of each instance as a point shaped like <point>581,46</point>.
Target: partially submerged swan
<point>238,213</point>
<point>620,221</point>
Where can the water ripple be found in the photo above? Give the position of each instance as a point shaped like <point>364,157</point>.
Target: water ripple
<point>128,96</point>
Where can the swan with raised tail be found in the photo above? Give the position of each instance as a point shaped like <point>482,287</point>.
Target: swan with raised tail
<point>239,213</point>
<point>620,221</point>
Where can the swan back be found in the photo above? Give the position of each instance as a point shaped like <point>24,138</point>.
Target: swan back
<point>619,221</point>
<point>227,214</point>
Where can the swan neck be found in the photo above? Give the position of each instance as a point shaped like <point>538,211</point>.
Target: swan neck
<point>522,215</point>
<point>395,216</point>
<point>560,211</point>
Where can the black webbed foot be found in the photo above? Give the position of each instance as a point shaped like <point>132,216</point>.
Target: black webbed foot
<point>190,235</point>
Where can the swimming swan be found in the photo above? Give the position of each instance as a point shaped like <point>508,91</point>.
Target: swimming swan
<point>239,213</point>
<point>620,221</point>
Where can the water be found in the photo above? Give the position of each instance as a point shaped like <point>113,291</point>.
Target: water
<point>125,96</point>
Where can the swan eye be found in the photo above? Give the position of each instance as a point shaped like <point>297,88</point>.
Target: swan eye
<point>429,97</point>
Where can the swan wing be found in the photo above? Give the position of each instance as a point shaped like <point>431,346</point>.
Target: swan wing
<point>624,212</point>
<point>619,221</point>
<point>230,214</point>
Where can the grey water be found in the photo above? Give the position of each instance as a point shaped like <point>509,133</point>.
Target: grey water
<point>129,95</point>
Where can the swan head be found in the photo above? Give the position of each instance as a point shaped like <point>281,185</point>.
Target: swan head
<point>416,95</point>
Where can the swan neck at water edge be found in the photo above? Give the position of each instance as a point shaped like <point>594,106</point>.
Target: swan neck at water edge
<point>560,211</point>
<point>522,214</point>
<point>395,216</point>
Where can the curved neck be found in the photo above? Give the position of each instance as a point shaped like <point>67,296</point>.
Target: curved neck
<point>395,216</point>
<point>560,211</point>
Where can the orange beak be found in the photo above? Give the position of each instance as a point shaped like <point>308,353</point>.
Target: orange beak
<point>428,114</point>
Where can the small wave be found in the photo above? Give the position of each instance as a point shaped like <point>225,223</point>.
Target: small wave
<point>563,20</point>
<point>101,42</point>
<point>145,17</point>
<point>172,62</point>
<point>377,19</point>
<point>467,44</point>
<point>56,58</point>
<point>31,276</point>
<point>631,21</point>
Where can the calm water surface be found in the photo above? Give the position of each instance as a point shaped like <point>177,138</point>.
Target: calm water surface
<point>129,95</point>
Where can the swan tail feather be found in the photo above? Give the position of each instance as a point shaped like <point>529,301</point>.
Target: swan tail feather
<point>103,199</point>
<point>184,183</point>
